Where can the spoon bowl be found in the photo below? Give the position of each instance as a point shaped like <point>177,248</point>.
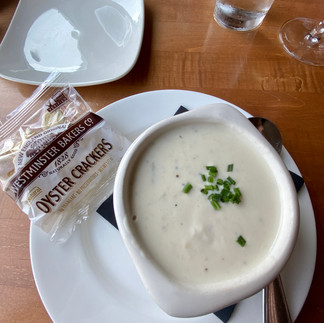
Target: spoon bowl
<point>269,130</point>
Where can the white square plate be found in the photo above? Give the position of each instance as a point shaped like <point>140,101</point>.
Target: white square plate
<point>90,42</point>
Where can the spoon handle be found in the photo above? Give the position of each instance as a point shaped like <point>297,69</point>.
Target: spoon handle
<point>275,307</point>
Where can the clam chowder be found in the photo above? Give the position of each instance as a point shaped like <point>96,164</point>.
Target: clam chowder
<point>190,240</point>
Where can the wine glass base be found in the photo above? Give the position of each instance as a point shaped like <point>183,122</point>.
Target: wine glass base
<point>292,36</point>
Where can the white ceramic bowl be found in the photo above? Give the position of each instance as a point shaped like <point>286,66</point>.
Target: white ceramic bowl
<point>184,299</point>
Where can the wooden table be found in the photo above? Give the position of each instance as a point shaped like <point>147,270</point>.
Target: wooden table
<point>184,48</point>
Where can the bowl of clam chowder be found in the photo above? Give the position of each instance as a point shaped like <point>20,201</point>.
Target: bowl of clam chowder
<point>207,210</point>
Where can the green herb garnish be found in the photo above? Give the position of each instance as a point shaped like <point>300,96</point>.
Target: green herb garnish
<point>186,189</point>
<point>241,241</point>
<point>231,180</point>
<point>204,191</point>
<point>212,171</point>
<point>214,197</point>
<point>220,181</point>
<point>237,191</point>
<point>209,187</point>
<point>215,205</point>
<point>226,192</point>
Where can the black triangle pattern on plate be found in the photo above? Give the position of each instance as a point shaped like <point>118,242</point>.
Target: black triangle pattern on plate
<point>106,210</point>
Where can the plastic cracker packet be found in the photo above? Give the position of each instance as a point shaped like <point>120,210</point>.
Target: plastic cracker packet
<point>58,159</point>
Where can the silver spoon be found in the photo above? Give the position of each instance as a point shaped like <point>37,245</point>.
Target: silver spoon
<point>270,131</point>
<point>275,307</point>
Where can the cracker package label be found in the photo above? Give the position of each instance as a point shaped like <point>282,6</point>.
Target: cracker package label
<point>58,159</point>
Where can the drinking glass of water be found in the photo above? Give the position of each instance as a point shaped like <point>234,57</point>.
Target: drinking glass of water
<point>241,15</point>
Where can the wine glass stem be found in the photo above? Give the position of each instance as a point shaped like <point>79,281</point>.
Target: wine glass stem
<point>315,35</point>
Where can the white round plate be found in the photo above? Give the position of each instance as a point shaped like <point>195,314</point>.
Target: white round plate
<point>90,42</point>
<point>92,279</point>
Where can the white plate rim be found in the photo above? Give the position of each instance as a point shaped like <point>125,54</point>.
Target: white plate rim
<point>170,100</point>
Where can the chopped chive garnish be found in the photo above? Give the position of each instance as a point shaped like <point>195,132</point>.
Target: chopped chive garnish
<point>186,189</point>
<point>231,180</point>
<point>225,192</point>
<point>211,179</point>
<point>235,199</point>
<point>214,197</point>
<point>204,191</point>
<point>227,185</point>
<point>215,205</point>
<point>211,169</point>
<point>237,191</point>
<point>218,190</point>
<point>225,199</point>
<point>241,241</point>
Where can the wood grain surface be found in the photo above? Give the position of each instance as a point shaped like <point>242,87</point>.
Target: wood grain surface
<point>183,48</point>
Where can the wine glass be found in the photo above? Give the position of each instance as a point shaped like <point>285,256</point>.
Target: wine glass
<point>301,38</point>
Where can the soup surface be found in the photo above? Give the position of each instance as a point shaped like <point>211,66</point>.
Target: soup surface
<point>182,232</point>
